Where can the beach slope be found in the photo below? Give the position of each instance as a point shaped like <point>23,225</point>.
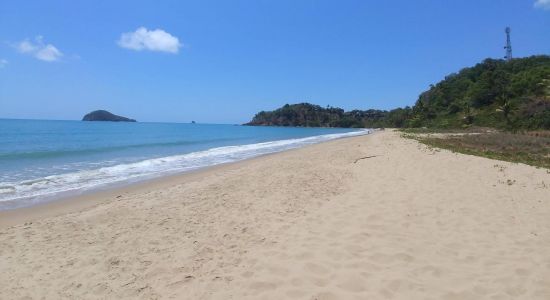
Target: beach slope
<point>369,217</point>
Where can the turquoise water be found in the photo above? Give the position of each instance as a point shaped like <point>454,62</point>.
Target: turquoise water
<point>43,160</point>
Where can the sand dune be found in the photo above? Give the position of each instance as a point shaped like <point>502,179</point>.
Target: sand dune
<point>314,223</point>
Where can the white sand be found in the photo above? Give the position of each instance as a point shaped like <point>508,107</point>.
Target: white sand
<point>410,223</point>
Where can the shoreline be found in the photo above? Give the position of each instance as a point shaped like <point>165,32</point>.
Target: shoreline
<point>369,217</point>
<point>93,197</point>
<point>81,182</point>
<point>90,198</point>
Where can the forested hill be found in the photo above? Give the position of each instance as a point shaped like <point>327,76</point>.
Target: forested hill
<point>310,115</point>
<point>494,93</point>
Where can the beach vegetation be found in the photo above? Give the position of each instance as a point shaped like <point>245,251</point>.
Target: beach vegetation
<point>528,147</point>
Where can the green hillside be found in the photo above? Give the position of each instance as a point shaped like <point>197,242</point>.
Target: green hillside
<point>310,115</point>
<point>494,93</point>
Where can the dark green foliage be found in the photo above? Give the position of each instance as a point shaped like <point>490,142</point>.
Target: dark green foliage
<point>495,93</point>
<point>310,115</point>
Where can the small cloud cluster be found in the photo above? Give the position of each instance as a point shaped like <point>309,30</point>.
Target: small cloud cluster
<point>39,50</point>
<point>152,40</point>
<point>140,39</point>
<point>542,4</point>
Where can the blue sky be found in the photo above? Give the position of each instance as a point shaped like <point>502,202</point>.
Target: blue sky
<point>222,61</point>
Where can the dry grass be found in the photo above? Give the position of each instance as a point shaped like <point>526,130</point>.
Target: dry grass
<point>532,148</point>
<point>424,130</point>
<point>539,133</point>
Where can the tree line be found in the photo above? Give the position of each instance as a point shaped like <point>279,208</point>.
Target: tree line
<point>494,93</point>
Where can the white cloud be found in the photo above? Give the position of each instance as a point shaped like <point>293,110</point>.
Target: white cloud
<point>48,53</point>
<point>152,40</point>
<point>26,47</point>
<point>543,4</point>
<point>38,49</point>
<point>3,63</point>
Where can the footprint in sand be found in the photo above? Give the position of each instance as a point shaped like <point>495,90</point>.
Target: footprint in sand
<point>296,282</point>
<point>262,286</point>
<point>320,282</point>
<point>325,296</point>
<point>315,268</point>
<point>352,283</point>
<point>296,293</point>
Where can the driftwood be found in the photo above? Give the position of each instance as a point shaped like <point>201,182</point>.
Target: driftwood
<point>360,158</point>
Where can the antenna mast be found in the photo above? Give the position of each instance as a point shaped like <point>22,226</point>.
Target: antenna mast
<point>508,46</point>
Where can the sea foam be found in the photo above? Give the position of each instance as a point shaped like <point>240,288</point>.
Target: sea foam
<point>38,190</point>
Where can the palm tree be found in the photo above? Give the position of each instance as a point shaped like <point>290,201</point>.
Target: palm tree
<point>506,110</point>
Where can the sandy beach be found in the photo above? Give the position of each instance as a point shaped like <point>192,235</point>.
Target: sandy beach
<point>369,217</point>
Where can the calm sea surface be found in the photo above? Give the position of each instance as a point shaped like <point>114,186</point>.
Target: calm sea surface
<point>43,160</point>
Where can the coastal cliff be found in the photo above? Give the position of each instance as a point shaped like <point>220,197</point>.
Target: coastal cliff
<point>103,115</point>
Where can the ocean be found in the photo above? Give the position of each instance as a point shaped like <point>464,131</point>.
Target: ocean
<point>42,160</point>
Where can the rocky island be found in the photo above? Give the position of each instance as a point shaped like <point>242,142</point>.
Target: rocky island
<point>103,115</point>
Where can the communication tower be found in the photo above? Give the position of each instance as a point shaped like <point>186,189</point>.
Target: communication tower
<point>508,46</point>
